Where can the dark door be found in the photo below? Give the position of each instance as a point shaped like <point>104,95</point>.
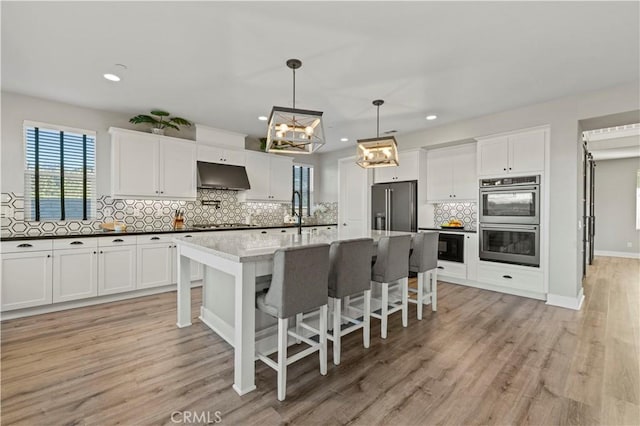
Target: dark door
<point>403,206</point>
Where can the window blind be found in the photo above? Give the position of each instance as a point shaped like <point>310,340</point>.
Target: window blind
<point>60,174</point>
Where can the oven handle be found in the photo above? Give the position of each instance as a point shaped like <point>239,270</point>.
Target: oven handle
<point>509,227</point>
<point>511,189</point>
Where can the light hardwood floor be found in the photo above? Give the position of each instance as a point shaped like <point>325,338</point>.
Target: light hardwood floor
<point>483,358</point>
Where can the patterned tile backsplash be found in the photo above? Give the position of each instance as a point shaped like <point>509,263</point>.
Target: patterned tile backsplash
<point>465,212</point>
<point>149,215</point>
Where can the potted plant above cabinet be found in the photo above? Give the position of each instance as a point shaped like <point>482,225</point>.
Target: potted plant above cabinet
<point>162,121</point>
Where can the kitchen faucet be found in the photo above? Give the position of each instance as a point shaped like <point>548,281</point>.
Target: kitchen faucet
<point>299,214</point>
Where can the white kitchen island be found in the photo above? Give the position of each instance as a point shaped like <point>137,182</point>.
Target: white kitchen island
<point>234,260</point>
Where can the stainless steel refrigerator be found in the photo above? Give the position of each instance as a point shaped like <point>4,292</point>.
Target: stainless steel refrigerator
<point>394,206</point>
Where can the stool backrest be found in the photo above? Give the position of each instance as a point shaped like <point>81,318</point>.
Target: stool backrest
<point>392,261</point>
<point>300,279</point>
<point>425,252</point>
<point>350,267</point>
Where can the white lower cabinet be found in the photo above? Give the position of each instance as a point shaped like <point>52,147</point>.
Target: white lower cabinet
<point>155,265</point>
<point>519,278</point>
<point>471,250</point>
<point>116,269</point>
<point>75,274</point>
<point>26,279</point>
<point>451,269</point>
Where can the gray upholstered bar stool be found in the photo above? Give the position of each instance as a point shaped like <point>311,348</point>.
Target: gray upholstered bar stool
<point>390,269</point>
<point>350,275</point>
<point>424,261</point>
<point>298,285</point>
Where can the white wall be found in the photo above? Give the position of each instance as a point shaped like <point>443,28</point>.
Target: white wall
<point>17,108</point>
<point>562,115</point>
<point>615,205</point>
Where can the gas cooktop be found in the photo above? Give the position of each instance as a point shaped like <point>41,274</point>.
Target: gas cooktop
<point>222,225</point>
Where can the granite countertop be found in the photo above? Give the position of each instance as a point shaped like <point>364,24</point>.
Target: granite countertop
<point>469,230</point>
<point>253,247</point>
<point>143,231</point>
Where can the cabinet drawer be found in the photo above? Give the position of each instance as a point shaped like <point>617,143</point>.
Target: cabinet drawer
<point>512,277</point>
<point>117,240</point>
<point>152,239</point>
<point>26,246</point>
<point>452,269</point>
<point>69,243</point>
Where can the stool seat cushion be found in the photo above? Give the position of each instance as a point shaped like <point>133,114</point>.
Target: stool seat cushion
<point>350,267</point>
<point>425,252</point>
<point>392,259</point>
<point>263,306</point>
<point>300,279</point>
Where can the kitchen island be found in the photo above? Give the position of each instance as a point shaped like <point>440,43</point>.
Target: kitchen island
<point>233,263</point>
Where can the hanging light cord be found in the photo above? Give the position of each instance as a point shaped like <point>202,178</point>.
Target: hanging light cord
<point>294,88</point>
<point>378,123</point>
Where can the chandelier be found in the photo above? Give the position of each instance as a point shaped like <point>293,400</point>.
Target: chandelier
<point>378,151</point>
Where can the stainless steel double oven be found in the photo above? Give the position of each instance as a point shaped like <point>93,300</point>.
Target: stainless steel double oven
<point>510,220</point>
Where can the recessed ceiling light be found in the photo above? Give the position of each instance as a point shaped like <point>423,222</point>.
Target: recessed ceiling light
<point>344,139</point>
<point>432,117</point>
<point>262,118</point>
<point>111,77</point>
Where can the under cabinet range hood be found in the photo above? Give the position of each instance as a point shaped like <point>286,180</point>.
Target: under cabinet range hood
<point>222,176</point>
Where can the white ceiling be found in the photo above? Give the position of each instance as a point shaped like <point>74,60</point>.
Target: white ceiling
<point>223,63</point>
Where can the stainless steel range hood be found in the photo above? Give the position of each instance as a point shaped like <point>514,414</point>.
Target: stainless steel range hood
<point>222,176</point>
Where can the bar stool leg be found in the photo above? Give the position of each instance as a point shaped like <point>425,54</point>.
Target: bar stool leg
<point>434,290</point>
<point>366,330</point>
<point>323,340</point>
<point>283,326</point>
<point>299,318</point>
<point>385,310</point>
<point>337,328</point>
<point>405,301</point>
<point>420,294</point>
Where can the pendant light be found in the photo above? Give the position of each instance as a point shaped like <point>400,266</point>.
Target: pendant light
<point>294,131</point>
<point>378,151</point>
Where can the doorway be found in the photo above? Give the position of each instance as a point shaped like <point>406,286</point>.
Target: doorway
<point>610,166</point>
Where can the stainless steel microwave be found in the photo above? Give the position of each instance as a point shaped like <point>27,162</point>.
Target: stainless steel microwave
<point>510,200</point>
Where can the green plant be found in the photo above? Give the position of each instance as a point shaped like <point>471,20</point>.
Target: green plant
<point>161,122</point>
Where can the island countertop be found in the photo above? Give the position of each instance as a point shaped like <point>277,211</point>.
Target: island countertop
<point>250,247</point>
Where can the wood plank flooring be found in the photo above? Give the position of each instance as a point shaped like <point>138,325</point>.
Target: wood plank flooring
<point>483,358</point>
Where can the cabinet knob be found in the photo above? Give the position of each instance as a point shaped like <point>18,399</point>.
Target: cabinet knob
<point>509,168</point>
<point>344,224</point>
<point>95,252</point>
<point>101,252</point>
<point>505,169</point>
<point>48,255</point>
<point>157,192</point>
<point>162,192</point>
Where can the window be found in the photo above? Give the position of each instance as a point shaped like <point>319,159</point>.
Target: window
<point>303,182</point>
<point>60,173</point>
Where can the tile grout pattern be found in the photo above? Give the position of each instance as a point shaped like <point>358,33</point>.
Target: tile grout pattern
<point>148,215</point>
<point>465,212</point>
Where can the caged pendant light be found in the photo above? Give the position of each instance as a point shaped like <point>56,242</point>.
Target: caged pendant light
<point>378,151</point>
<point>294,131</point>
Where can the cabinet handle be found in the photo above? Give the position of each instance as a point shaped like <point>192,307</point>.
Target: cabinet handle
<point>440,267</point>
<point>328,227</point>
<point>25,245</point>
<point>283,230</point>
<point>117,240</point>
<point>263,232</point>
<point>76,243</point>
<point>507,277</point>
<point>188,236</point>
<point>155,238</point>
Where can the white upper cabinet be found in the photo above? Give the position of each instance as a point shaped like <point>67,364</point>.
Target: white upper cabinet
<point>521,152</point>
<point>451,174</point>
<point>214,154</point>
<point>144,165</point>
<point>406,170</point>
<point>270,177</point>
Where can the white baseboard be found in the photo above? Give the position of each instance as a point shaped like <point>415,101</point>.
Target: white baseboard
<point>626,254</point>
<point>568,302</point>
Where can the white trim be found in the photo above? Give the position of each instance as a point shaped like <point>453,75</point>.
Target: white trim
<point>625,254</point>
<point>29,123</point>
<point>567,302</point>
